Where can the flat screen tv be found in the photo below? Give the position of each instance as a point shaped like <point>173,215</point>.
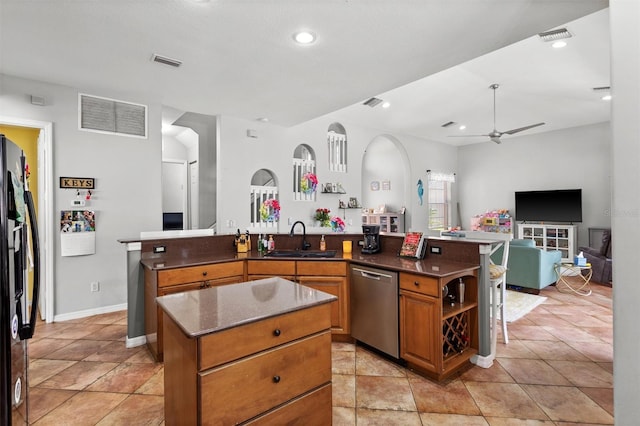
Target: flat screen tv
<point>562,205</point>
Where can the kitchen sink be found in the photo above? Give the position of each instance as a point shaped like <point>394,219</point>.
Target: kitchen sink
<point>301,253</point>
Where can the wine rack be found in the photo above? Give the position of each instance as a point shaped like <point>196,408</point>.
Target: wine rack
<point>455,334</point>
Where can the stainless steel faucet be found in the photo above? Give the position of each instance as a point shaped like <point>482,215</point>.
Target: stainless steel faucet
<point>305,244</point>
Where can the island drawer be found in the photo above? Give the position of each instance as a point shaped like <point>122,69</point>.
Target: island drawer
<point>420,284</point>
<point>271,378</point>
<point>229,345</point>
<point>192,274</point>
<point>314,408</point>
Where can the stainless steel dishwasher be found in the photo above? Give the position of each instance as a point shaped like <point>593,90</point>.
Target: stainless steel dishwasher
<point>374,308</point>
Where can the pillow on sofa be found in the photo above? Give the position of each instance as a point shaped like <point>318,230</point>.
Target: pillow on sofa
<point>605,249</point>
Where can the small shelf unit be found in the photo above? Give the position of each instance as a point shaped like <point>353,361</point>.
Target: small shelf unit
<point>552,237</point>
<point>389,222</point>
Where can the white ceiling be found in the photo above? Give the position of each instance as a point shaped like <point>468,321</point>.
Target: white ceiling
<point>239,58</point>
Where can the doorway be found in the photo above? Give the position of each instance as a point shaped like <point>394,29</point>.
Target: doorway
<point>44,165</point>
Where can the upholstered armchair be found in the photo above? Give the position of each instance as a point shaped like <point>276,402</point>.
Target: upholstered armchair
<point>530,266</point>
<point>600,259</point>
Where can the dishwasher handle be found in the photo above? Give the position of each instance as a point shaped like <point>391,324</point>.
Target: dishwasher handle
<point>371,274</point>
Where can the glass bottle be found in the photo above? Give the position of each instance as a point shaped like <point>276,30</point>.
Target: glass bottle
<point>323,244</point>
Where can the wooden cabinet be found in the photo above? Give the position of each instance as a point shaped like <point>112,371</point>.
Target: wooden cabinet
<point>438,335</point>
<point>327,276</point>
<point>273,371</point>
<point>552,237</point>
<point>169,281</point>
<point>330,277</point>
<point>259,269</point>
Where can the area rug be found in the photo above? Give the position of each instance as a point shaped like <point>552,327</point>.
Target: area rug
<point>519,304</point>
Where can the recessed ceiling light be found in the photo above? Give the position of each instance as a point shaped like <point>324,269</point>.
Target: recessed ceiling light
<point>386,105</point>
<point>462,127</point>
<point>304,37</point>
<point>606,98</point>
<point>559,44</point>
<point>263,119</point>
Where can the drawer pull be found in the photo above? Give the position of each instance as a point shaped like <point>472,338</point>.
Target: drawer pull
<point>204,274</point>
<point>416,283</point>
<point>276,379</point>
<point>277,332</point>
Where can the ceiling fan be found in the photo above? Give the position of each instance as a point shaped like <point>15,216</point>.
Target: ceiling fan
<point>495,135</point>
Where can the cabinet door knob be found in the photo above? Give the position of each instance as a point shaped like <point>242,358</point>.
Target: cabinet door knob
<point>204,274</point>
<point>277,332</point>
<point>416,283</point>
<point>276,379</point>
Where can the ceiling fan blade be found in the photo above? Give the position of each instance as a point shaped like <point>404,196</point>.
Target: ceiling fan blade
<point>465,136</point>
<point>520,129</point>
<point>496,139</point>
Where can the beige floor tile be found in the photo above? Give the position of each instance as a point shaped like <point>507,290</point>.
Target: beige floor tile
<point>125,378</point>
<point>515,349</point>
<point>529,332</point>
<point>343,416</point>
<point>504,400</point>
<point>153,386</point>
<point>505,421</point>
<point>109,332</point>
<point>595,351</point>
<point>533,371</point>
<point>42,369</point>
<point>43,347</point>
<point>78,331</point>
<point>343,362</point>
<point>143,356</point>
<point>343,388</point>
<point>136,410</point>
<point>567,404</point>
<point>369,364</point>
<point>436,419</point>
<point>571,334</point>
<point>554,350</point>
<point>42,401</point>
<point>367,417</point>
<point>78,350</point>
<point>84,408</point>
<point>601,396</point>
<point>114,351</point>
<point>79,375</point>
<point>384,393</point>
<point>584,373</point>
<point>495,373</point>
<point>447,398</point>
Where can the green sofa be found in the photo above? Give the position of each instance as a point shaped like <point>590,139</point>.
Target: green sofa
<point>530,266</point>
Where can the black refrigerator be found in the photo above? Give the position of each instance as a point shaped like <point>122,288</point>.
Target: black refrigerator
<point>20,260</point>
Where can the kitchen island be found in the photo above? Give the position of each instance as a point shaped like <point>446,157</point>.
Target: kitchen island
<point>256,352</point>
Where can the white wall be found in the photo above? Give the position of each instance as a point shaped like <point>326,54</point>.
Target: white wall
<point>127,194</point>
<point>625,123</point>
<point>240,156</point>
<point>579,157</point>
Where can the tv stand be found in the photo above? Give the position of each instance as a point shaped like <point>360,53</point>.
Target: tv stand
<point>552,237</point>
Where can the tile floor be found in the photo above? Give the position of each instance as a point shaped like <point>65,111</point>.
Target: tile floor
<point>556,370</point>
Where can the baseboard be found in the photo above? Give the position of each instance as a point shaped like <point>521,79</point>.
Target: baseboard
<point>132,342</point>
<point>90,312</point>
<point>482,361</point>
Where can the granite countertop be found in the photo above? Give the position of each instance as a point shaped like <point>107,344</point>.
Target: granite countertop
<point>218,308</point>
<point>428,266</point>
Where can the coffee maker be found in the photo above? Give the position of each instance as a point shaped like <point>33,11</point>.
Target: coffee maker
<point>371,239</point>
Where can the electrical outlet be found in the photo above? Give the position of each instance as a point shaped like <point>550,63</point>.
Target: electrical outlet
<point>435,250</point>
<point>159,249</point>
<point>95,286</point>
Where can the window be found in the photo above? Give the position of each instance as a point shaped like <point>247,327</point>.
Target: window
<point>303,162</point>
<point>439,199</point>
<point>265,210</point>
<point>337,147</point>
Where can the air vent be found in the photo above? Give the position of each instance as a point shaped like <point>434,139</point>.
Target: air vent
<point>554,35</point>
<point>371,102</point>
<point>448,123</point>
<point>165,60</point>
<point>105,115</point>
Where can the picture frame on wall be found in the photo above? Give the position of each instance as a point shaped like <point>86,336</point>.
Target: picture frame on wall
<point>386,185</point>
<point>375,185</point>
